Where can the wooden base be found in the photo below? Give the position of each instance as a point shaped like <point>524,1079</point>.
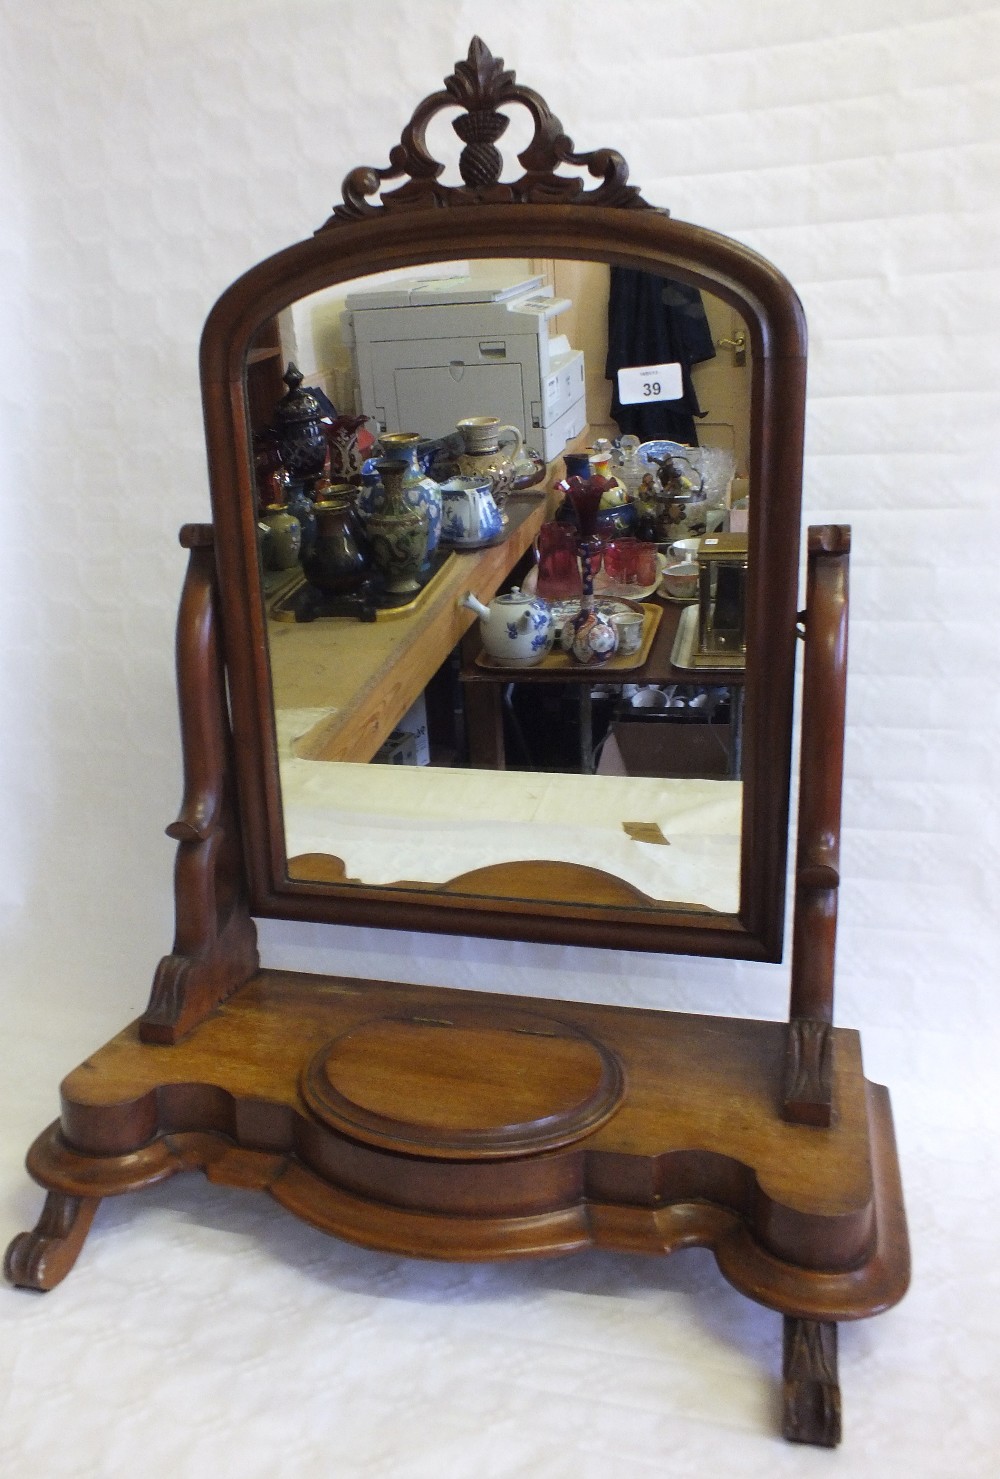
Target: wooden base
<point>459,1125</point>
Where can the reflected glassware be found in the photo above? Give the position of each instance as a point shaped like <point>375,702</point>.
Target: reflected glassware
<point>585,500</point>
<point>630,562</point>
<point>577,465</point>
<point>717,468</point>
<point>559,577</point>
<point>632,468</point>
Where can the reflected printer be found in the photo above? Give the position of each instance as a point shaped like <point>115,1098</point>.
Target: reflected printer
<point>428,351</point>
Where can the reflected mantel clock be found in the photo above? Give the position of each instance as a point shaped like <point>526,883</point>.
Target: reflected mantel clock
<point>455,1124</point>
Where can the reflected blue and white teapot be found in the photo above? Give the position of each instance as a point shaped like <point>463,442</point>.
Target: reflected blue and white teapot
<point>517,630</point>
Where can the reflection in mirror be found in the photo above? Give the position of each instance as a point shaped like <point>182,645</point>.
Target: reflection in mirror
<point>463,453</point>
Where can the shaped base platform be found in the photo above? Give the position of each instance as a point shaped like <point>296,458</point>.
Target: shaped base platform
<point>459,1125</point>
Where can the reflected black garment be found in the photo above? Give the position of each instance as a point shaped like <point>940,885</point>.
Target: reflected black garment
<point>654,321</point>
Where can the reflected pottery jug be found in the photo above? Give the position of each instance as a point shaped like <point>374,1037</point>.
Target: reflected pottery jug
<point>471,515</point>
<point>483,455</point>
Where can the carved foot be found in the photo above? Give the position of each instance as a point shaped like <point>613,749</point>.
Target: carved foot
<point>811,1408</point>
<point>41,1259</point>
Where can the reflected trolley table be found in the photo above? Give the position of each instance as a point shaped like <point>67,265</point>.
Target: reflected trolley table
<point>487,685</point>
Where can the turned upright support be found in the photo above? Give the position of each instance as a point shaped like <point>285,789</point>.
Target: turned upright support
<point>215,943</point>
<point>808,1092</point>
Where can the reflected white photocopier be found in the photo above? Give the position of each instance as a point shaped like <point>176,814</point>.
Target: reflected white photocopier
<point>428,351</point>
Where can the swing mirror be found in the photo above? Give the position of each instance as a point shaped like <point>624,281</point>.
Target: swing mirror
<point>637,804</point>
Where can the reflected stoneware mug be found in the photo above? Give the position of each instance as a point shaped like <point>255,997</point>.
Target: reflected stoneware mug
<point>471,515</point>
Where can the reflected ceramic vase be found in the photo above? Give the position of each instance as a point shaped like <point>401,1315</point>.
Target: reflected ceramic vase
<point>346,456</point>
<point>591,637</point>
<point>336,564</point>
<point>397,534</point>
<point>420,492</point>
<point>484,457</point>
<point>284,538</point>
<point>299,431</point>
<point>301,506</point>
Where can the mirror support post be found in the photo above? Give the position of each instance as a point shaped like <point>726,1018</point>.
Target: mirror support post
<point>215,942</point>
<point>808,1086</point>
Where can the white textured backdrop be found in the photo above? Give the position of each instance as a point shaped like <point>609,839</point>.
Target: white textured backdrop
<point>152,152</point>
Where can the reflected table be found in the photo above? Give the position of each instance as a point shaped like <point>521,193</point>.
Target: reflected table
<point>341,686</point>
<point>486,687</point>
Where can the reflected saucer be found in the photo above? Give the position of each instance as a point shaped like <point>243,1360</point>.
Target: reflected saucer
<point>460,545</point>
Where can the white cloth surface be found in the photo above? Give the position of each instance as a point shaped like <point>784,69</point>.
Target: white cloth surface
<point>392,822</point>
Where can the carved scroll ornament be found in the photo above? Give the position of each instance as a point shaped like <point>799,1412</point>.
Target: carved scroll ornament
<point>480,85</point>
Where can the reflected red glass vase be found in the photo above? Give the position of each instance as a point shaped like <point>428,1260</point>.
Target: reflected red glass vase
<point>559,577</point>
<point>585,499</point>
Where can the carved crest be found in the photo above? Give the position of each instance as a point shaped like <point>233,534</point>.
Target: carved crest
<point>481,86</point>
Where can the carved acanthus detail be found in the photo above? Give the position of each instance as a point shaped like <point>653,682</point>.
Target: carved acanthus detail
<point>811,1385</point>
<point>481,85</point>
<point>808,1091</point>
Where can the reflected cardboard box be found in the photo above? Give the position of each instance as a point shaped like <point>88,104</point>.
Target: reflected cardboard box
<point>408,744</point>
<point>665,748</point>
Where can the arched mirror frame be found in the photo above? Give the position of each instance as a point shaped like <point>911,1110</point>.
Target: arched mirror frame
<point>643,238</point>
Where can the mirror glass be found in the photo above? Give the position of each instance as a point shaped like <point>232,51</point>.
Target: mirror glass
<point>415,746</point>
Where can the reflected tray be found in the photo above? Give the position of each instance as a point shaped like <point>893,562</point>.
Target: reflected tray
<point>302,602</point>
<point>685,652</point>
<point>561,662</point>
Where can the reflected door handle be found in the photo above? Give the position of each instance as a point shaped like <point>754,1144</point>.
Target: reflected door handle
<point>738,344</point>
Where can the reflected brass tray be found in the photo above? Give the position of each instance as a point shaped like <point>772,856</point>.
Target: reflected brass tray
<point>561,662</point>
<point>685,652</point>
<point>283,607</point>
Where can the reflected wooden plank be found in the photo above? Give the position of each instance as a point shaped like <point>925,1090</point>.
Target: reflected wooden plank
<point>360,678</point>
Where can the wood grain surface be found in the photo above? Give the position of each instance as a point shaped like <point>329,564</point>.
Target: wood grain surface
<point>695,1150</point>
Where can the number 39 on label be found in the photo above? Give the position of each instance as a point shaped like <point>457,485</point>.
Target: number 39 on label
<point>638,383</point>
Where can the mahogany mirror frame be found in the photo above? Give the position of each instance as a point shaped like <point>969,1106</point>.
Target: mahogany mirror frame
<point>644,238</point>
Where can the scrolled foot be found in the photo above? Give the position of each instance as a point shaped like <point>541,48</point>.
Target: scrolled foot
<point>811,1408</point>
<point>42,1258</point>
